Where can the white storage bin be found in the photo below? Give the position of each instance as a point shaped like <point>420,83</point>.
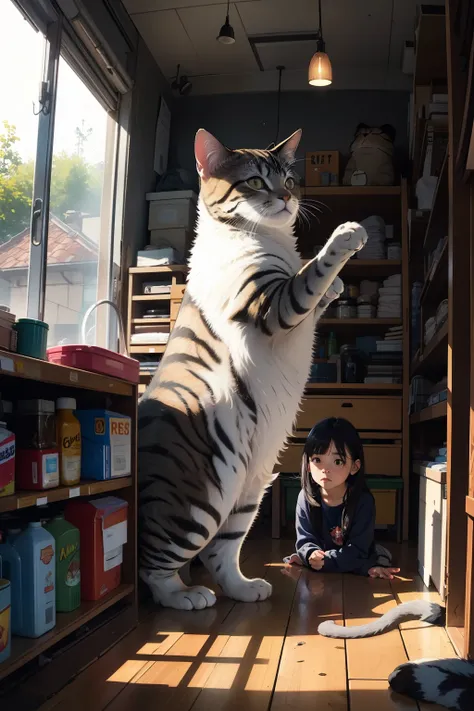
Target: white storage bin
<point>172,210</point>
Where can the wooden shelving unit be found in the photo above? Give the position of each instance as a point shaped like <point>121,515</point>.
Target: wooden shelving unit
<point>138,303</point>
<point>21,378</point>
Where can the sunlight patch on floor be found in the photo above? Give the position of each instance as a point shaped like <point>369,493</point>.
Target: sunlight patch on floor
<point>233,646</point>
<point>214,675</point>
<point>127,671</point>
<point>164,673</point>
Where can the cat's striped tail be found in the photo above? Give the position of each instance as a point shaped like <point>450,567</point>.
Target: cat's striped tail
<point>447,682</point>
<point>416,610</point>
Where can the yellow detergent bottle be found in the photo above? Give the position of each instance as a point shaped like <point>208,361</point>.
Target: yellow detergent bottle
<point>69,441</point>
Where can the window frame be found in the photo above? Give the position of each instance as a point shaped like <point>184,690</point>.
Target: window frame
<point>65,38</point>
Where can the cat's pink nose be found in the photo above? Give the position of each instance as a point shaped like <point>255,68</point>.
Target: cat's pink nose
<point>285,197</point>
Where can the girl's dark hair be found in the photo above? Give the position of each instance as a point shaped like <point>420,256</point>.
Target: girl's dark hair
<point>345,437</point>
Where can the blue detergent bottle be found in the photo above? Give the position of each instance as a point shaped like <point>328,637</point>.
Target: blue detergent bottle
<point>37,550</point>
<point>12,571</point>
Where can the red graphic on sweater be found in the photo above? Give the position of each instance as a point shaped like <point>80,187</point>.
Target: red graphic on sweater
<point>336,535</point>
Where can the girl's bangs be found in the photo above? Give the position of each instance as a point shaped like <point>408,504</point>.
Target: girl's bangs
<point>321,443</point>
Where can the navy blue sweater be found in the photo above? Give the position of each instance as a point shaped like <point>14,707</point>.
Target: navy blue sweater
<point>357,553</point>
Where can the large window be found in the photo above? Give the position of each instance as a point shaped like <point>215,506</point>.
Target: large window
<point>61,179</point>
<point>75,207</point>
<point>21,58</point>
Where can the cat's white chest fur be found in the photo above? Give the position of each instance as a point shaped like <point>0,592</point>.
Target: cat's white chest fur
<point>275,369</point>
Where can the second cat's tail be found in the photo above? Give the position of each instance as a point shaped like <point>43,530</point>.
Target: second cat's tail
<point>416,610</point>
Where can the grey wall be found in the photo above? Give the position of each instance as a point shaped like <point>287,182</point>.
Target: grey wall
<point>328,119</point>
<point>141,177</point>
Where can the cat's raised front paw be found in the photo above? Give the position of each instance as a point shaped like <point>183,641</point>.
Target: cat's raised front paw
<point>250,590</point>
<point>349,236</point>
<point>335,290</point>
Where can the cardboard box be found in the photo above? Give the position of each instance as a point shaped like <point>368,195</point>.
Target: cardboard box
<point>106,444</point>
<point>102,524</point>
<point>322,168</point>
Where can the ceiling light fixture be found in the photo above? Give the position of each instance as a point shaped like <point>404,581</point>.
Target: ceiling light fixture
<point>226,35</point>
<point>320,69</point>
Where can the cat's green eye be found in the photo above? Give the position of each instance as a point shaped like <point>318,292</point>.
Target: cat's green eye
<point>290,183</point>
<point>255,183</point>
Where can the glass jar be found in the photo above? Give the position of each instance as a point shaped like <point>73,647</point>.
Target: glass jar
<point>346,309</point>
<point>35,424</point>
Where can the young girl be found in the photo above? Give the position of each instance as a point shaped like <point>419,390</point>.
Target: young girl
<point>335,513</point>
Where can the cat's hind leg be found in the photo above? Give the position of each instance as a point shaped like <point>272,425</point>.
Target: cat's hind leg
<point>222,555</point>
<point>170,591</point>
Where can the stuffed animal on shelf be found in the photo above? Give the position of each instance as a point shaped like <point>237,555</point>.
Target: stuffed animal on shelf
<point>371,161</point>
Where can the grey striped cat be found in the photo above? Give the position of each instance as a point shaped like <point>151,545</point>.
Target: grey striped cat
<point>227,391</point>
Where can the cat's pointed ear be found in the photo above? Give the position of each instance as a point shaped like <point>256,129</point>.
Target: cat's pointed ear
<point>286,149</point>
<point>209,152</point>
<point>360,127</point>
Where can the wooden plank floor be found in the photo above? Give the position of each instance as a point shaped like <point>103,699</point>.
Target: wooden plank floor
<point>263,656</point>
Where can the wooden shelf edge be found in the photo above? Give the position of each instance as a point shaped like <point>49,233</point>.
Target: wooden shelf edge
<point>353,190</point>
<point>152,297</point>
<point>24,650</point>
<point>15,365</point>
<point>360,322</point>
<point>28,499</point>
<point>433,412</point>
<point>148,349</point>
<point>151,321</point>
<point>157,270</point>
<point>436,341</point>
<point>349,387</point>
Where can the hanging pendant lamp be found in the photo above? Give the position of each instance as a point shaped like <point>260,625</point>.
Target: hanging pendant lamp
<point>320,69</point>
<point>226,35</point>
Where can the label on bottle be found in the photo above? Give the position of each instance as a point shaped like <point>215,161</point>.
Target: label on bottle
<point>69,564</point>
<point>50,470</point>
<point>70,469</point>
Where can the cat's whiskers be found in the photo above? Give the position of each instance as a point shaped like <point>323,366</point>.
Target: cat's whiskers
<point>304,217</point>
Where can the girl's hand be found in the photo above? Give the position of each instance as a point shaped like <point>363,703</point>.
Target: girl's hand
<point>316,560</point>
<point>386,573</point>
<point>295,559</point>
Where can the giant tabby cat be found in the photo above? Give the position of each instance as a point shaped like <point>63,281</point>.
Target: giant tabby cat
<point>226,393</point>
<point>448,682</point>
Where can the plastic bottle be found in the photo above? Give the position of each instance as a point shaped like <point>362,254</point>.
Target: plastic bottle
<point>68,574</point>
<point>332,344</point>
<point>11,570</point>
<point>69,441</point>
<point>37,548</point>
